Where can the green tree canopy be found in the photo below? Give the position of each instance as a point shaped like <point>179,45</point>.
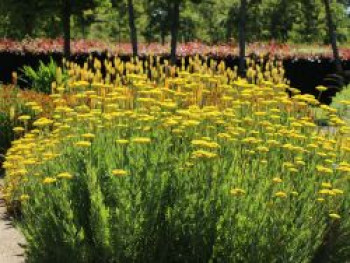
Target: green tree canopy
<point>211,21</point>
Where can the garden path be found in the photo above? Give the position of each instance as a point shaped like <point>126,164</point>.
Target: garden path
<point>11,240</point>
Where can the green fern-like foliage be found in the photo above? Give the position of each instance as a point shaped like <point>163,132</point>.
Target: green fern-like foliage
<point>42,78</point>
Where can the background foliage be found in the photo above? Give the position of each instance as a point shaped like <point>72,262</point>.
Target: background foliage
<point>211,21</point>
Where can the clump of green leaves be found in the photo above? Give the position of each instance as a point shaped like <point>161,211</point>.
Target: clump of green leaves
<point>42,78</point>
<point>341,102</point>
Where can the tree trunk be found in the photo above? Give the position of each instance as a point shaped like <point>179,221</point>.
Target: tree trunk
<point>66,27</point>
<point>133,32</point>
<point>333,36</point>
<point>174,30</point>
<point>242,36</point>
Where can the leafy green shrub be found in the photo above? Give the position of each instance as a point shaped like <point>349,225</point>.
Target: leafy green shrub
<point>341,102</point>
<point>42,78</point>
<point>6,132</point>
<point>13,103</point>
<point>9,107</point>
<point>181,168</point>
<point>161,213</point>
<point>321,117</point>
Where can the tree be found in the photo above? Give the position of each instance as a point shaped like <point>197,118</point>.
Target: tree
<point>210,21</point>
<point>133,31</point>
<point>242,32</point>
<point>23,16</point>
<point>282,14</point>
<point>68,8</point>
<point>332,36</point>
<point>4,20</point>
<point>175,14</point>
<point>159,21</point>
<point>66,14</point>
<point>310,10</point>
<point>241,35</point>
<point>120,10</point>
<point>230,22</point>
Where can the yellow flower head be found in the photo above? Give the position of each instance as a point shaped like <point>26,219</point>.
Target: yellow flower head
<point>18,129</point>
<point>281,194</point>
<point>141,140</point>
<point>24,197</point>
<point>205,144</point>
<point>42,122</point>
<point>321,88</point>
<point>119,172</point>
<point>49,180</point>
<point>277,180</point>
<point>263,149</point>
<point>326,192</point>
<point>88,135</point>
<point>334,216</point>
<point>203,154</point>
<point>326,185</point>
<point>237,191</point>
<point>65,175</point>
<point>83,144</point>
<point>121,141</point>
<point>24,118</point>
<point>338,191</point>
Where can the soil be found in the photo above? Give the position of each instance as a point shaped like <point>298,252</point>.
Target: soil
<point>11,240</point>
